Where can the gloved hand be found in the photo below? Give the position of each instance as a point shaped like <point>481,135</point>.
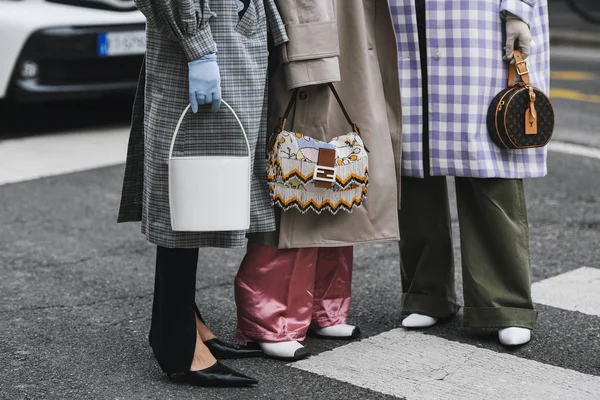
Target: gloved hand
<point>205,82</point>
<point>516,30</point>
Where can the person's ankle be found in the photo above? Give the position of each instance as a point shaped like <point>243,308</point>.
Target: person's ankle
<point>200,364</point>
<point>203,331</point>
<point>203,358</point>
<point>206,334</point>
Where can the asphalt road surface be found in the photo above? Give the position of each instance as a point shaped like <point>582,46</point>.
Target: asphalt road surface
<point>76,288</point>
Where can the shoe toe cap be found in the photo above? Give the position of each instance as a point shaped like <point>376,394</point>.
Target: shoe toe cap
<point>301,353</point>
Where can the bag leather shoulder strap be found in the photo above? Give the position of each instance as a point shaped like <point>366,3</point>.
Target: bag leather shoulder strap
<point>520,67</point>
<point>337,97</point>
<point>293,100</point>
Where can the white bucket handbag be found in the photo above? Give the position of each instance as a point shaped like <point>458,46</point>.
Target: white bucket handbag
<point>209,193</point>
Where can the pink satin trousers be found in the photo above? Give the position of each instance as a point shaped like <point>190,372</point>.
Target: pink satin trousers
<point>280,293</point>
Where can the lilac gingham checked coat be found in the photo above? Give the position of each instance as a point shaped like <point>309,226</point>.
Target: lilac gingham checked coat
<point>466,70</point>
<point>179,31</point>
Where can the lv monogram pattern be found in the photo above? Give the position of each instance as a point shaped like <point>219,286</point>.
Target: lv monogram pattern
<point>506,119</point>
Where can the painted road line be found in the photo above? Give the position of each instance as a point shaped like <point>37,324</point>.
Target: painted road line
<point>567,94</point>
<point>569,53</point>
<point>423,367</point>
<point>577,290</point>
<point>574,149</point>
<point>572,76</point>
<point>42,156</point>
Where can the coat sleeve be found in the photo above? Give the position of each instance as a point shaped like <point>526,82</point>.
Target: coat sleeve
<point>311,56</point>
<point>520,8</point>
<point>187,21</point>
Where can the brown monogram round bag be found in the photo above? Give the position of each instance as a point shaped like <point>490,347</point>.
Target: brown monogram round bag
<point>521,116</point>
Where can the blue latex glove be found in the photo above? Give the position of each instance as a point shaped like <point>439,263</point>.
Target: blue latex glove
<point>205,83</point>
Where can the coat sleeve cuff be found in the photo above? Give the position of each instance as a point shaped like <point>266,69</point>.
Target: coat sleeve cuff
<point>312,41</point>
<point>279,35</point>
<point>520,8</point>
<point>198,45</point>
<point>311,72</point>
<point>311,56</point>
<point>276,25</point>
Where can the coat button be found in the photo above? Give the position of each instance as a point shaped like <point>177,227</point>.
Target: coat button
<point>303,95</point>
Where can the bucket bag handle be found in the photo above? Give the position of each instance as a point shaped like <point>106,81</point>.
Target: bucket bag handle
<point>183,116</point>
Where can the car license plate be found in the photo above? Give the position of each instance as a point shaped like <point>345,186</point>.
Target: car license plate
<point>121,43</point>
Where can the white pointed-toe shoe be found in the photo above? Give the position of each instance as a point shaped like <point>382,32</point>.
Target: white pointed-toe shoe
<point>340,331</point>
<point>419,321</point>
<point>285,351</point>
<point>514,336</point>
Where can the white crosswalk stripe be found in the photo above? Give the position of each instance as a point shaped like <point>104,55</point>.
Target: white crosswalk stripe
<point>416,366</point>
<point>49,155</point>
<point>423,367</point>
<point>577,290</point>
<point>42,156</point>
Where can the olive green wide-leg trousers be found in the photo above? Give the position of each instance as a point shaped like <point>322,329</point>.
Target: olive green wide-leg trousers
<point>494,237</point>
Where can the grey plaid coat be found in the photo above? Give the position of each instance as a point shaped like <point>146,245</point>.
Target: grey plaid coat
<point>179,31</point>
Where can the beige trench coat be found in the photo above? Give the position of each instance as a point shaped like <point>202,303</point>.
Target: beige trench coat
<point>352,43</point>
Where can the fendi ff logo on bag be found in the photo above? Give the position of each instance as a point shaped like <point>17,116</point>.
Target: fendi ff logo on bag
<point>521,116</point>
<point>324,174</point>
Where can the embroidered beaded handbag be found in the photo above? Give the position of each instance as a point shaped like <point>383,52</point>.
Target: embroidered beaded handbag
<point>308,174</point>
<point>521,116</point>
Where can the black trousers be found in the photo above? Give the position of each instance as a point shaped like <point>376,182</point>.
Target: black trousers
<point>173,327</point>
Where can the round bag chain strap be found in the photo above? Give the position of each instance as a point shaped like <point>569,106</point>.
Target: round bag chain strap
<point>183,114</point>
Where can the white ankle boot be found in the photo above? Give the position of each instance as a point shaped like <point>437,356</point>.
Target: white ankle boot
<point>514,336</point>
<point>419,321</point>
<point>340,331</point>
<point>287,351</point>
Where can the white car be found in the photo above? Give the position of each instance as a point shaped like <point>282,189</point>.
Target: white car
<point>69,48</point>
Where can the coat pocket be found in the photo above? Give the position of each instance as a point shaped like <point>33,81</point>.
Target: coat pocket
<point>248,25</point>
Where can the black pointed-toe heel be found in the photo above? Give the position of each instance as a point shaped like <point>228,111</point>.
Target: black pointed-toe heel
<point>223,350</point>
<point>218,375</point>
